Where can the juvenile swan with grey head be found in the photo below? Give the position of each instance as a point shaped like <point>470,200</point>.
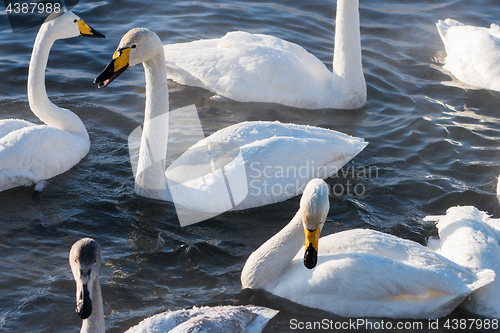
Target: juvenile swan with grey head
<point>359,272</point>
<point>85,260</point>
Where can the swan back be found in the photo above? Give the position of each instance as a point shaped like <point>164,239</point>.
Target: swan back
<point>472,53</point>
<point>221,319</point>
<point>468,237</point>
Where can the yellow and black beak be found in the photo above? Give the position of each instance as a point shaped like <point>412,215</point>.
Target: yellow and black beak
<point>87,31</point>
<point>115,68</point>
<point>311,254</point>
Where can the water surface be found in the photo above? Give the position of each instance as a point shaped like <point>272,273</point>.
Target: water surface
<point>433,142</point>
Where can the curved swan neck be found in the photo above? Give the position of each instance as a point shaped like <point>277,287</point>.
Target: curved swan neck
<point>347,48</point>
<point>269,262</point>
<point>40,104</point>
<point>36,76</point>
<point>95,323</point>
<point>150,178</point>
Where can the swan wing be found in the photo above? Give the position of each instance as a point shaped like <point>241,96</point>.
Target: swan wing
<point>223,319</point>
<point>251,68</point>
<point>370,277</point>
<point>277,160</point>
<point>473,53</point>
<point>36,153</point>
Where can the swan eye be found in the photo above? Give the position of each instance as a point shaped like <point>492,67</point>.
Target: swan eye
<point>134,46</point>
<point>75,20</point>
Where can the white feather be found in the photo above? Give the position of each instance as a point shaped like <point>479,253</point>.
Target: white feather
<point>361,273</point>
<point>473,53</point>
<point>32,153</point>
<point>260,68</point>
<point>221,319</point>
<point>470,238</point>
<point>274,163</point>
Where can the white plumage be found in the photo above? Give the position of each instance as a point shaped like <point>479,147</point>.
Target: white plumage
<point>360,273</point>
<point>473,53</point>
<point>279,159</point>
<point>261,68</point>
<point>470,238</point>
<point>31,153</point>
<point>85,259</point>
<point>220,319</point>
<point>273,162</point>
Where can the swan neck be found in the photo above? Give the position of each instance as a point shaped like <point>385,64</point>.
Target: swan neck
<point>270,261</point>
<point>95,323</point>
<point>150,176</point>
<point>156,87</point>
<point>37,94</point>
<point>347,48</point>
<point>39,103</point>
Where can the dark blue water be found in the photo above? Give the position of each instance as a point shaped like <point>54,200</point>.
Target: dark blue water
<point>432,146</point>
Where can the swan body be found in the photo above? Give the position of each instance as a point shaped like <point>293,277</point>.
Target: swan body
<point>278,159</point>
<point>359,272</point>
<point>470,238</point>
<point>221,319</point>
<point>261,150</point>
<point>31,153</point>
<point>85,260</point>
<point>473,53</point>
<point>260,68</point>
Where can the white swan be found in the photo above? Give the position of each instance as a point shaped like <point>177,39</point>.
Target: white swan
<point>85,260</point>
<point>473,55</point>
<point>260,68</point>
<point>359,272</point>
<point>31,153</point>
<point>470,238</point>
<point>268,154</point>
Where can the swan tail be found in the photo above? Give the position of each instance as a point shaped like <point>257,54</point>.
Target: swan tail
<point>443,26</point>
<point>483,277</point>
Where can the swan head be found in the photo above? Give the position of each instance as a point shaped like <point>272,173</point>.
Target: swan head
<point>85,260</point>
<point>139,45</point>
<point>314,206</point>
<point>68,25</point>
